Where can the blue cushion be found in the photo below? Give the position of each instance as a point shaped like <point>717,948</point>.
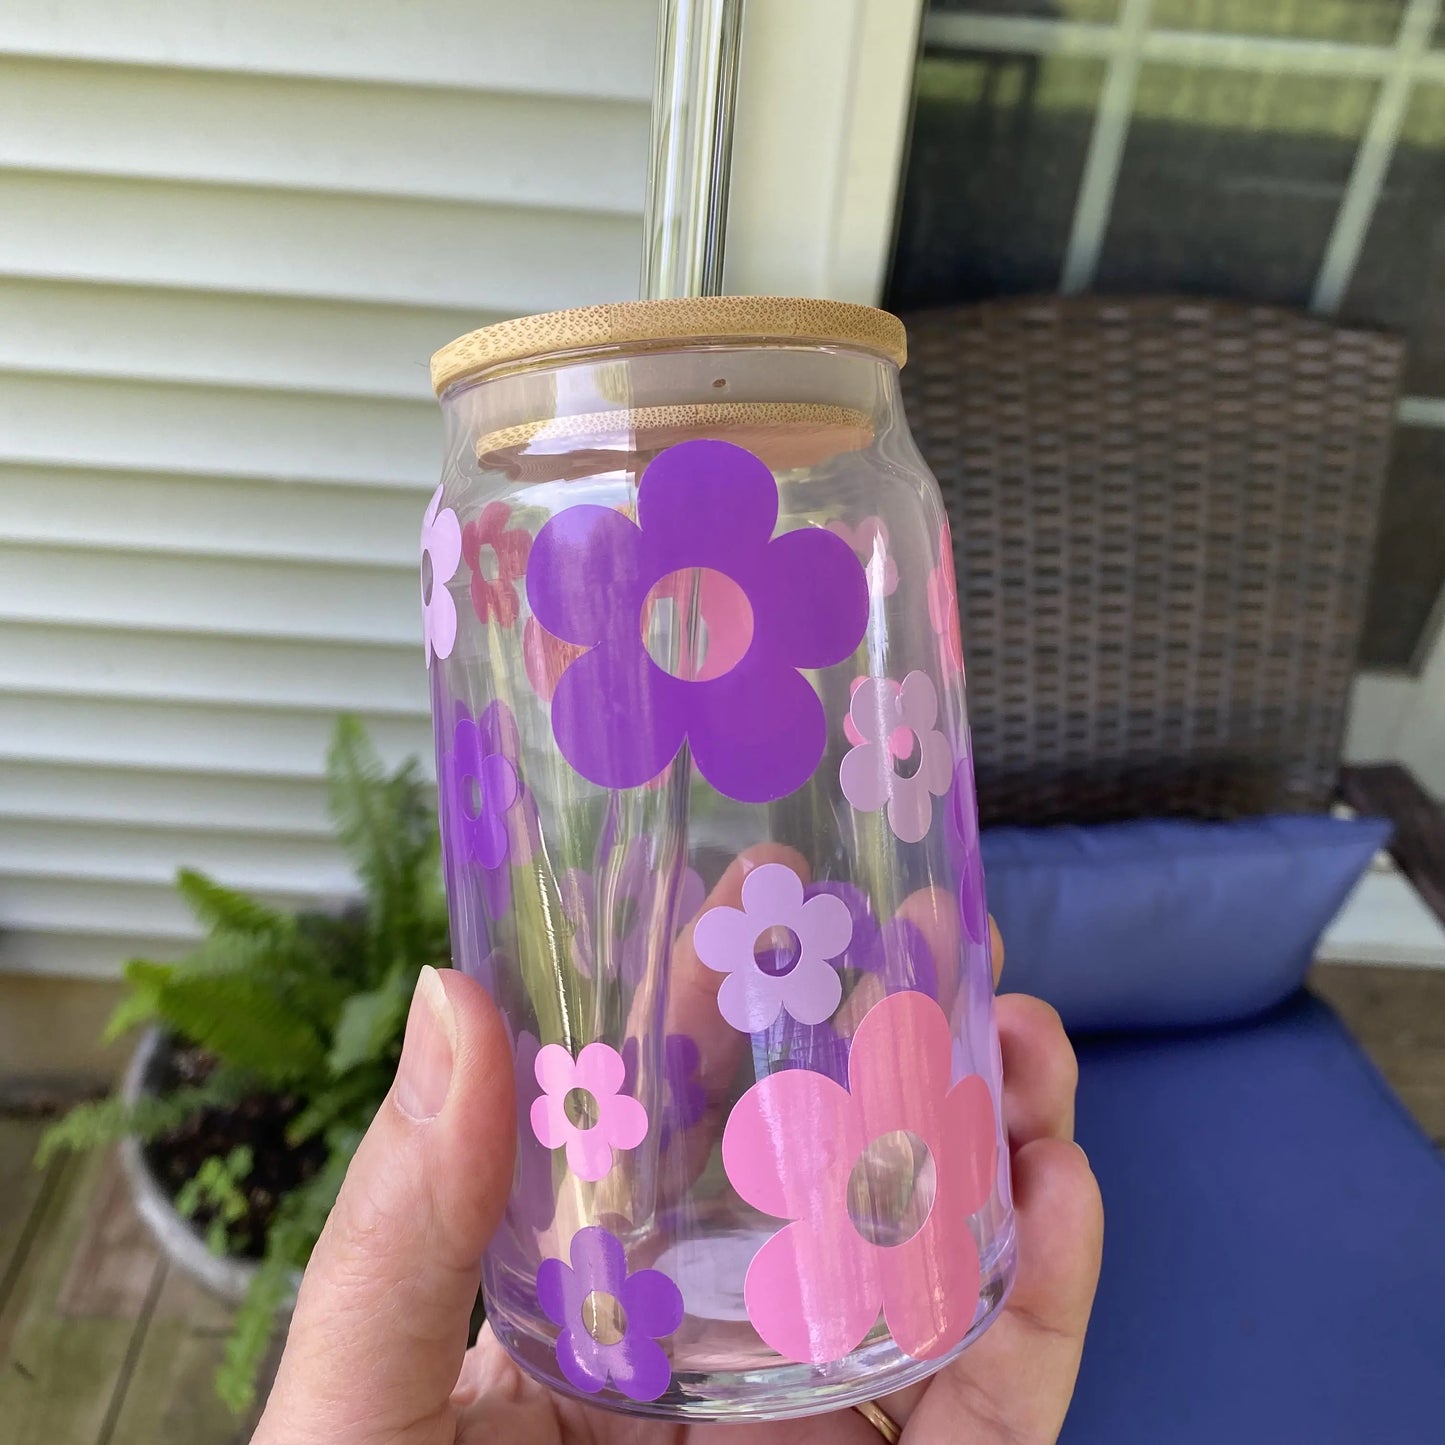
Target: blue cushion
<point>1273,1259</point>
<point>1169,922</point>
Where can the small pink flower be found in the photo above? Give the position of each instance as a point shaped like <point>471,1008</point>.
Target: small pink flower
<point>497,556</point>
<point>900,743</point>
<point>869,540</point>
<point>775,950</point>
<point>441,553</point>
<point>868,775</point>
<point>943,602</point>
<point>791,1144</point>
<point>597,1076</point>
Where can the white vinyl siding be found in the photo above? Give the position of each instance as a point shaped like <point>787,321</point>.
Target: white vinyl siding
<point>230,237</point>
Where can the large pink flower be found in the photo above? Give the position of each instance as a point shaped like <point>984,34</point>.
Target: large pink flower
<point>874,773</point>
<point>611,1119</point>
<point>790,1148</point>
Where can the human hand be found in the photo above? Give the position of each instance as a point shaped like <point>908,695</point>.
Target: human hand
<point>377,1352</point>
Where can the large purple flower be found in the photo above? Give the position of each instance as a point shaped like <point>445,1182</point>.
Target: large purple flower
<point>636,900</point>
<point>758,731</point>
<point>963,847</point>
<point>610,1320</point>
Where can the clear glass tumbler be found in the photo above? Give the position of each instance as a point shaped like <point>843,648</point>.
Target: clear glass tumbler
<point>711,842</point>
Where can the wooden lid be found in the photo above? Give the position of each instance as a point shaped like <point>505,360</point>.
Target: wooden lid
<point>783,434</point>
<point>695,318</point>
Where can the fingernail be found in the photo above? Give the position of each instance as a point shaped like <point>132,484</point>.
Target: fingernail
<point>1080,1148</point>
<point>424,1074</point>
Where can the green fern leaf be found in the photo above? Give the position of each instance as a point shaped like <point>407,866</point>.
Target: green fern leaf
<point>219,907</point>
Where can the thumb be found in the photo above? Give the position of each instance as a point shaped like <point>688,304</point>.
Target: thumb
<point>381,1319</point>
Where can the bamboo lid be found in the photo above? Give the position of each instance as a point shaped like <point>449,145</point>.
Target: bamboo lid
<point>695,318</point>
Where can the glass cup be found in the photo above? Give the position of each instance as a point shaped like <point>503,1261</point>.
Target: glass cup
<point>711,844</point>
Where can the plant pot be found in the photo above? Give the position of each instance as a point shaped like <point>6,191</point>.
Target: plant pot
<point>177,1238</point>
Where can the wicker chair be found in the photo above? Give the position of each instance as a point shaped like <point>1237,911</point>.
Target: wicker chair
<point>1163,522</point>
<point>1163,518</point>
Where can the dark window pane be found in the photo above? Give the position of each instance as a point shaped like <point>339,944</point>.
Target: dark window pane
<point>1359,21</point>
<point>1400,279</point>
<point>993,169</point>
<point>1410,555</point>
<point>1231,181</point>
<point>1033,9</point>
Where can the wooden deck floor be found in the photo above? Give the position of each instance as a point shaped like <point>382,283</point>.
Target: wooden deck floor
<point>102,1344</point>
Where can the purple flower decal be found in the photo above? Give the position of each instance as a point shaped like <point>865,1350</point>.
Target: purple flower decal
<point>964,849</point>
<point>777,950</point>
<point>686,1098</point>
<point>441,554</point>
<point>481,787</point>
<point>637,897</point>
<point>869,777</point>
<point>756,732</point>
<point>610,1320</point>
<point>493,735</point>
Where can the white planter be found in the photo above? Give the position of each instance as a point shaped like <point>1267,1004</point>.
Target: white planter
<point>179,1240</point>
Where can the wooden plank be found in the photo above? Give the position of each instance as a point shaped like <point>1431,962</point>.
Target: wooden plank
<point>170,1394</point>
<point>1398,1015</point>
<point>113,1268</point>
<point>58,1373</point>
<point>23,1189</point>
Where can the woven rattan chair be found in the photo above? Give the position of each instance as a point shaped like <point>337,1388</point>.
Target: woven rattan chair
<point>1163,519</point>
<point>1163,522</point>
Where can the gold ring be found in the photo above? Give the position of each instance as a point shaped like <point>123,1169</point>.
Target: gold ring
<point>883,1423</point>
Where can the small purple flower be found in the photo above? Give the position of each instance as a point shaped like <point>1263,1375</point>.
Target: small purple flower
<point>686,1098</point>
<point>493,735</point>
<point>963,847</point>
<point>758,730</point>
<point>628,1314</point>
<point>779,950</point>
<point>482,786</point>
<point>868,775</point>
<point>637,896</point>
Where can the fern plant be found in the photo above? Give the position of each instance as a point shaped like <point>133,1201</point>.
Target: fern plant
<point>307,1006</point>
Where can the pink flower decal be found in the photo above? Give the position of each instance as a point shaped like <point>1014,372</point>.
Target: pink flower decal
<point>900,743</point>
<point>869,540</point>
<point>497,556</point>
<point>943,603</point>
<point>441,554</point>
<point>545,657</point>
<point>874,772</point>
<point>611,1119</point>
<point>790,1148</point>
<point>775,950</point>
